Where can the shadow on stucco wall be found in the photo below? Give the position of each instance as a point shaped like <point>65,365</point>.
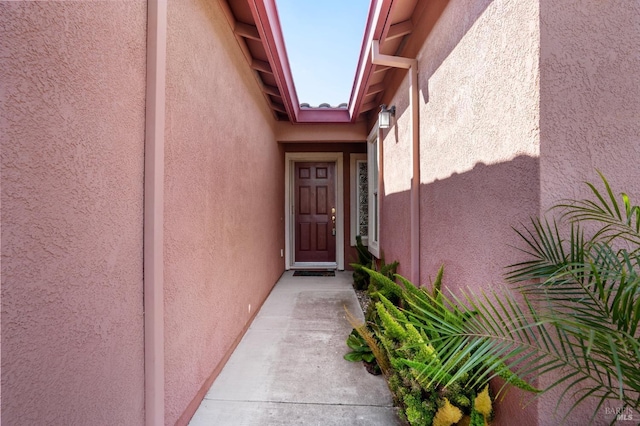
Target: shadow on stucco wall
<point>466,225</point>
<point>463,216</point>
<point>467,219</point>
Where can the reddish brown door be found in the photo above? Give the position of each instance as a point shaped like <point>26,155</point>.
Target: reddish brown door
<point>315,212</point>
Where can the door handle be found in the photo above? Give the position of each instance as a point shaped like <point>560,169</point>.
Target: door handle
<point>333,221</point>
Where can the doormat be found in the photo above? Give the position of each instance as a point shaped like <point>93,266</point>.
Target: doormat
<point>314,274</point>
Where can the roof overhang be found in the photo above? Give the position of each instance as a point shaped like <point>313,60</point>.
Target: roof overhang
<point>256,26</point>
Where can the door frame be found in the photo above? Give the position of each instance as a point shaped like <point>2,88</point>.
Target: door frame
<point>289,207</point>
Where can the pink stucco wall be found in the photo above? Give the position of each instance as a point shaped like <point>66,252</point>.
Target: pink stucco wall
<point>479,137</point>
<point>72,81</point>
<point>479,142</point>
<point>224,198</point>
<point>479,148</point>
<point>520,103</point>
<point>590,103</point>
<point>589,114</point>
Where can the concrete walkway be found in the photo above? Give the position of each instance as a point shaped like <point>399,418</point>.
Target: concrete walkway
<point>288,369</point>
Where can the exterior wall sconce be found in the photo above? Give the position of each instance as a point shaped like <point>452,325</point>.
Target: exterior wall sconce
<point>384,116</point>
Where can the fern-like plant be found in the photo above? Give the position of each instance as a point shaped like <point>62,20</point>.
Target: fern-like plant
<point>422,393</point>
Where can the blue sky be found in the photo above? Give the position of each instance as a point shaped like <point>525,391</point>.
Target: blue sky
<point>323,40</point>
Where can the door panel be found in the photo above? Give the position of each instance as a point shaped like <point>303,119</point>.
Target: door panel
<point>315,212</point>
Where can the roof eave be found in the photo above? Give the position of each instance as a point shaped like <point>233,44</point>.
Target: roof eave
<point>265,14</point>
<point>374,30</point>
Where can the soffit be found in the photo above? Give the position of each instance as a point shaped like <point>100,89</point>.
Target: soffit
<point>256,27</point>
<point>251,42</point>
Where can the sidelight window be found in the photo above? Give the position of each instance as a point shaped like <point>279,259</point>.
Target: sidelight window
<point>373,157</point>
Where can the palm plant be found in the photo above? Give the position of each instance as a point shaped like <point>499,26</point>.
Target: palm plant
<point>576,312</point>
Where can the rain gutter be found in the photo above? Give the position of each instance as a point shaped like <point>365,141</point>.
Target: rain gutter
<point>412,65</point>
<point>153,286</point>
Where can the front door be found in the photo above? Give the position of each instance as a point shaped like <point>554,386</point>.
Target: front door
<point>315,217</point>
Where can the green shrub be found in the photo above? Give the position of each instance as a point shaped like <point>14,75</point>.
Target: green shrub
<point>423,393</point>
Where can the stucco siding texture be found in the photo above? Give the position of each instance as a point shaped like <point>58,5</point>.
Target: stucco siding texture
<point>590,96</point>
<point>479,138</point>
<point>395,210</point>
<point>224,199</point>
<point>589,117</point>
<point>479,148</point>
<point>72,98</point>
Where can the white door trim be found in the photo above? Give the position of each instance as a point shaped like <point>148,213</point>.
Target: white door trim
<point>289,200</point>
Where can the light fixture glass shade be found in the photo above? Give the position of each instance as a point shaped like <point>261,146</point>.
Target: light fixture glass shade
<point>384,119</point>
<point>384,116</point>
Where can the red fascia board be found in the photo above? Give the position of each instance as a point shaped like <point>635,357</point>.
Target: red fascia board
<point>376,29</point>
<point>323,115</point>
<point>265,14</point>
